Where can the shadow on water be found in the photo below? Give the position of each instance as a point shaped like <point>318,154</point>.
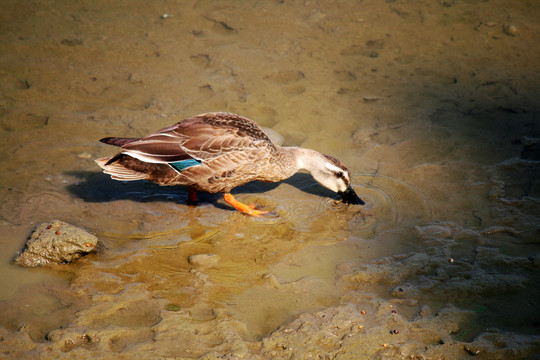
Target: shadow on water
<point>99,187</point>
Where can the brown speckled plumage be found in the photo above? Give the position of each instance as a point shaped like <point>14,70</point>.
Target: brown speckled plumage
<point>223,150</point>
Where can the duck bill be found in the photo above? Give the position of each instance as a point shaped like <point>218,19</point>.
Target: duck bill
<point>349,197</point>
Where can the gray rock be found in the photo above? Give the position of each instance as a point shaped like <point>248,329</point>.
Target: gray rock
<point>56,242</point>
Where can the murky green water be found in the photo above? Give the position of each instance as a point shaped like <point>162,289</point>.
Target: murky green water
<point>433,106</point>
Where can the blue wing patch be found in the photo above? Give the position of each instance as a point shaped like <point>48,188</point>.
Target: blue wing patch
<point>184,164</point>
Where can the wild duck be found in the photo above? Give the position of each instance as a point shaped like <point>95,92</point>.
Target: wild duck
<point>217,152</point>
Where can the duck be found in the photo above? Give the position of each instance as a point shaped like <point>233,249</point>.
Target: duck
<point>216,152</point>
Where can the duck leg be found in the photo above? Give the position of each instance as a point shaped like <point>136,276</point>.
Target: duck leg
<point>192,196</point>
<point>246,209</point>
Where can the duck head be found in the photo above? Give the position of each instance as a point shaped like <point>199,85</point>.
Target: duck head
<point>332,174</point>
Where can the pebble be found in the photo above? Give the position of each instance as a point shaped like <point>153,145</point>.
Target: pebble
<point>471,350</point>
<point>84,155</point>
<point>172,307</point>
<point>369,98</point>
<point>203,260</point>
<point>510,30</point>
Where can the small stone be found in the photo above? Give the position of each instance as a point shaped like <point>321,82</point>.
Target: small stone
<point>510,30</point>
<point>471,350</point>
<point>363,312</point>
<point>172,307</point>
<point>84,155</point>
<point>65,244</point>
<point>370,98</point>
<point>203,260</point>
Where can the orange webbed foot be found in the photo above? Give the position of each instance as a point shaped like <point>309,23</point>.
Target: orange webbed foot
<point>243,208</point>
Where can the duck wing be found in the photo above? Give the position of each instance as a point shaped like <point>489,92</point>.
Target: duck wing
<point>157,148</point>
<point>212,152</point>
<point>203,138</point>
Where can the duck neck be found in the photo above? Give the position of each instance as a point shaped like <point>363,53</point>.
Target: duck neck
<point>297,158</point>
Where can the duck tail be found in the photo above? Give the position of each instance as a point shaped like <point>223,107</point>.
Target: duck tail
<point>117,170</point>
<point>118,141</point>
<point>102,162</point>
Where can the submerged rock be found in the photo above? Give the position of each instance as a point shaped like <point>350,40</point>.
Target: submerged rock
<point>56,242</point>
<point>203,260</point>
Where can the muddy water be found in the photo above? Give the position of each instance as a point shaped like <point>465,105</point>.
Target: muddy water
<point>433,106</point>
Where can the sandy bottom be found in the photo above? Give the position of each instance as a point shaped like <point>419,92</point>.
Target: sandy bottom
<point>433,105</point>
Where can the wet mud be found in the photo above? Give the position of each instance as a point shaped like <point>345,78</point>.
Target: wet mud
<point>433,106</point>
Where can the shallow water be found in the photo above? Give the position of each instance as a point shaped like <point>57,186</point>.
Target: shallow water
<point>433,106</point>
